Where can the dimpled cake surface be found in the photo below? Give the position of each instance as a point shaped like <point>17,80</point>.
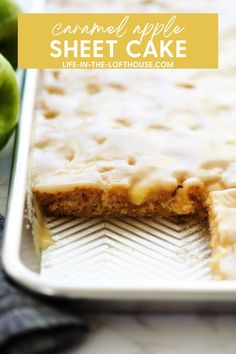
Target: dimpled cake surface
<point>139,142</point>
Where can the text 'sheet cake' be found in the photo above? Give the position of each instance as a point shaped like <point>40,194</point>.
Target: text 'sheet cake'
<point>142,142</point>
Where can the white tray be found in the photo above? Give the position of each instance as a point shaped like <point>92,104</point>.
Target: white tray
<point>105,259</point>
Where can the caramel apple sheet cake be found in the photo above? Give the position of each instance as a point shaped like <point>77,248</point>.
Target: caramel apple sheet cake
<point>142,142</point>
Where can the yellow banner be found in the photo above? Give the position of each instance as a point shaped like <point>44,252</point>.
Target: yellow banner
<point>118,41</point>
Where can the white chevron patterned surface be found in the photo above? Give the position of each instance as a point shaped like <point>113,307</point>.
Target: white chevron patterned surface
<point>101,251</point>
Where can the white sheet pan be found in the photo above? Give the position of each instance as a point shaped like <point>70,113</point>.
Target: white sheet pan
<point>152,260</point>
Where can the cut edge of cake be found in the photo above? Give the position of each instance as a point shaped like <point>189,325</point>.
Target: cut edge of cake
<point>222,221</point>
<point>117,201</point>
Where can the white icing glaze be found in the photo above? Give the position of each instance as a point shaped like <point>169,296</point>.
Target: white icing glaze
<point>170,132</point>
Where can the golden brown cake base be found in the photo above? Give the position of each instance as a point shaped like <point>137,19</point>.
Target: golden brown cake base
<point>116,202</point>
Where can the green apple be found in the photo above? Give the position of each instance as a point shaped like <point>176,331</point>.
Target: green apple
<point>9,101</point>
<point>8,30</point>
